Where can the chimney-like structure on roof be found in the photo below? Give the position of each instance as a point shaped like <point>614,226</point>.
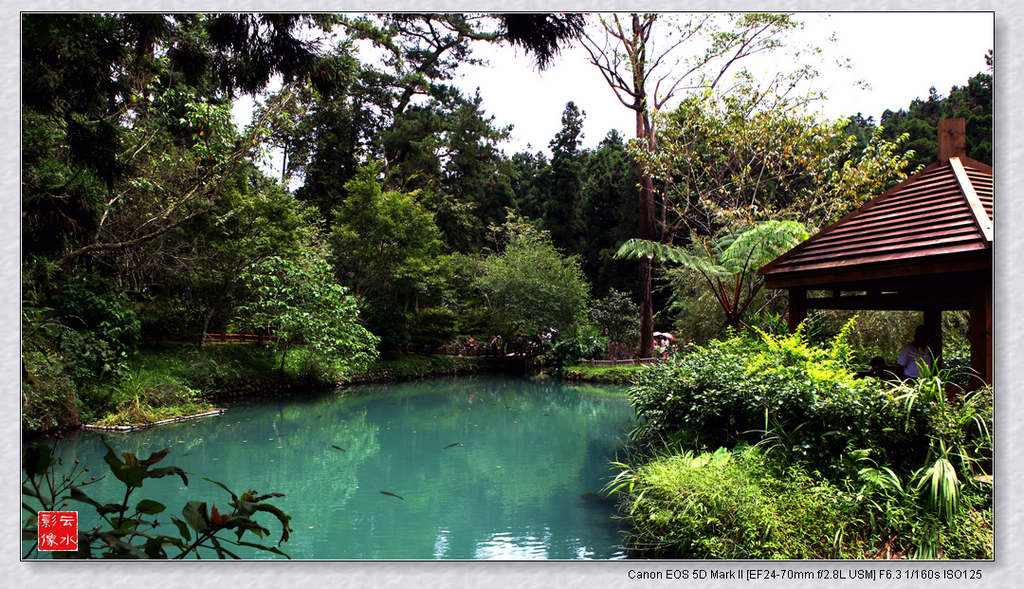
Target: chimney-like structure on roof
<point>952,139</point>
<point>923,245</point>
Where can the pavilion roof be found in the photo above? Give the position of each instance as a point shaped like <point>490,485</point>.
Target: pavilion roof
<point>938,220</point>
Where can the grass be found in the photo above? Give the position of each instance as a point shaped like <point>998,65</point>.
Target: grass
<point>410,367</point>
<point>733,505</point>
<point>603,374</point>
<point>147,414</point>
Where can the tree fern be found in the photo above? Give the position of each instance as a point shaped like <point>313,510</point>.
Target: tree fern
<point>733,257</point>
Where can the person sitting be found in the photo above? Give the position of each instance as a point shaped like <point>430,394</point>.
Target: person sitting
<point>915,354</point>
<point>879,368</point>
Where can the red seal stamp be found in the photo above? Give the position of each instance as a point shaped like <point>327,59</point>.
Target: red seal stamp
<point>58,530</point>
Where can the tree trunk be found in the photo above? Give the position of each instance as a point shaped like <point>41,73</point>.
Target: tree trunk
<point>645,133</point>
<point>206,327</point>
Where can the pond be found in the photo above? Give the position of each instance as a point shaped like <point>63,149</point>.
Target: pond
<point>486,467</point>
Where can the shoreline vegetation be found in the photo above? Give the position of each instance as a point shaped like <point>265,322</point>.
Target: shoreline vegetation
<point>171,382</point>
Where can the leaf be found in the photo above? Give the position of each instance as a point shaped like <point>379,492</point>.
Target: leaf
<point>194,513</point>
<point>157,473</point>
<point>182,528</point>
<point>222,486</point>
<point>281,517</point>
<point>129,474</point>
<point>150,507</point>
<point>108,508</point>
<point>155,457</point>
<point>78,495</point>
<point>262,547</point>
<point>37,459</point>
<point>154,548</point>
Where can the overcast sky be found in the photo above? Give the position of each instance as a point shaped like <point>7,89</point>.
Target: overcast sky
<point>899,55</point>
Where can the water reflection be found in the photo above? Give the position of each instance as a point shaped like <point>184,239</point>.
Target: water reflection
<point>485,468</point>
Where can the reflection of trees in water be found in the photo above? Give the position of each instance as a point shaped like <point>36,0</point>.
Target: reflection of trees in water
<point>508,470</point>
<point>551,441</point>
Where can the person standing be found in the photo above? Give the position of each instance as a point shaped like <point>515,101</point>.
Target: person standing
<point>916,353</point>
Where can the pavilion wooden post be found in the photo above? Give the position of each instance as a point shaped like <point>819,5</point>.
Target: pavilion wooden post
<point>981,333</point>
<point>797,307</point>
<point>933,326</point>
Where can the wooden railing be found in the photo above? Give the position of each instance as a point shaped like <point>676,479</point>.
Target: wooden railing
<point>243,338</point>
<point>624,362</point>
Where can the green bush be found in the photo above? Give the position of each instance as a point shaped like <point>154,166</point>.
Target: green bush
<point>906,465</point>
<point>569,347</point>
<point>97,304</point>
<point>48,394</point>
<point>777,390</point>
<point>431,328</point>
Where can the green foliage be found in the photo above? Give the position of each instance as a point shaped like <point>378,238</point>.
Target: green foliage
<point>385,248</point>
<point>909,461</point>
<point>733,506</point>
<point>298,300</point>
<point>728,265</point>
<point>618,317</point>
<point>432,328</point>
<point>624,374</point>
<point>920,120</point>
<point>567,348</point>
<point>743,159</point>
<point>145,398</point>
<point>126,531</point>
<point>799,400</point>
<point>530,287</point>
<point>103,330</point>
<point>562,214</point>
<point>48,394</point>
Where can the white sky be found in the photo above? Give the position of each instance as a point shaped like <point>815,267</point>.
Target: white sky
<point>899,55</point>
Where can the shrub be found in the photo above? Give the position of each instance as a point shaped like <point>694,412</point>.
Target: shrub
<point>96,306</point>
<point>568,348</point>
<point>48,395</point>
<point>778,390</point>
<point>431,328</point>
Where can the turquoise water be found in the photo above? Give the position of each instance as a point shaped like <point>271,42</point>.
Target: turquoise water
<point>521,483</point>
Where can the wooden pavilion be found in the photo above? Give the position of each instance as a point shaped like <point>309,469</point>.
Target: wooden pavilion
<point>924,245</point>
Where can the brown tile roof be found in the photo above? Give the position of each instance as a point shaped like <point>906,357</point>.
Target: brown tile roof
<point>940,213</point>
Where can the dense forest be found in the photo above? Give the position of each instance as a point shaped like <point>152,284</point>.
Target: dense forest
<point>398,224</point>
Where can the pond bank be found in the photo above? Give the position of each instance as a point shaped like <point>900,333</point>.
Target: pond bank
<point>177,380</point>
<point>624,375</point>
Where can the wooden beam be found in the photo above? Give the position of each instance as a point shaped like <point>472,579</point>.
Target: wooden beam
<point>933,325</point>
<point>825,278</point>
<point>981,333</point>
<point>980,214</point>
<point>797,307</point>
<point>893,302</point>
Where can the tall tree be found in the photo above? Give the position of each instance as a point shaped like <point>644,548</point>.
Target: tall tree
<point>646,65</point>
<point>562,209</point>
<point>384,245</point>
<point>920,120</point>
<point>127,122</point>
<point>609,180</point>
